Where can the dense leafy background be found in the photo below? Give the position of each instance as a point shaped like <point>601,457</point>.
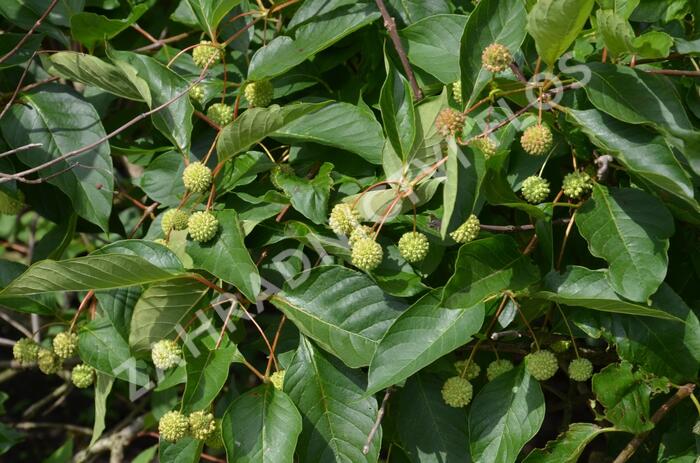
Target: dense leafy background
<point>99,92</point>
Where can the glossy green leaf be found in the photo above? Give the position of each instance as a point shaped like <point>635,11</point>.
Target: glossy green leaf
<point>161,308</point>
<point>207,371</point>
<point>430,430</point>
<point>84,273</point>
<point>10,40</point>
<point>505,415</point>
<point>185,450</point>
<point>630,230</point>
<point>555,24</point>
<point>398,114</point>
<point>422,334</point>
<point>256,124</point>
<point>309,196</point>
<point>209,14</point>
<point>340,125</point>
<point>103,386</point>
<point>492,21</point>
<point>486,267</point>
<point>283,52</point>
<point>625,396</point>
<point>336,414</point>
<point>569,445</point>
<point>226,256</point>
<point>579,286</point>
<point>157,179</point>
<point>87,179</point>
<point>432,44</point>
<point>341,309</point>
<point>261,426</point>
<point>461,194</point>
<point>616,31</point>
<point>90,28</point>
<point>154,253</point>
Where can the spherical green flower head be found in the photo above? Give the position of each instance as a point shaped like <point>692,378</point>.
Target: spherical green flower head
<point>537,140</point>
<point>542,364</point>
<point>220,114</point>
<point>449,122</point>
<point>457,392</point>
<point>277,379</point>
<point>206,51</point>
<point>457,91</point>
<point>485,145</point>
<point>173,219</point>
<point>367,254</point>
<point>197,177</point>
<point>535,189</point>
<point>11,205</point>
<point>468,231</point>
<point>202,226</point>
<point>497,368</point>
<point>413,246</point>
<point>496,58</point>
<point>25,351</point>
<point>259,94</point>
<point>82,376</point>
<point>202,425</point>
<point>49,363</point>
<point>360,232</point>
<point>173,426</point>
<point>580,369</point>
<point>576,184</point>
<point>473,370</point>
<point>165,354</point>
<point>65,344</point>
<point>196,93</point>
<point>343,219</point>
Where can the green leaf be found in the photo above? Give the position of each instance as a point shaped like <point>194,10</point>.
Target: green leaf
<point>646,156</point>
<point>336,414</point>
<point>625,396</point>
<point>88,179</point>
<point>432,44</point>
<point>486,267</point>
<point>226,256</point>
<point>154,253</point>
<point>630,230</point>
<point>340,125</point>
<point>492,21</point>
<point>157,180</point>
<point>309,196</point>
<point>118,306</point>
<point>555,24</point>
<point>106,350</point>
<point>25,52</point>
<point>107,271</point>
<point>341,309</point>
<point>616,31</point>
<point>103,386</point>
<point>638,97</point>
<point>186,450</point>
<point>42,304</point>
<point>398,114</point>
<point>54,243</point>
<point>579,286</point>
<point>261,426</point>
<point>505,415</point>
<point>90,28</point>
<point>460,196</point>
<point>91,70</point>
<point>283,53</point>
<point>653,44</point>
<point>173,121</point>
<point>422,334</point>
<point>207,371</point>
<point>430,430</point>
<point>209,14</point>
<point>569,445</point>
<point>161,308</point>
<point>255,124</point>
<point>410,11</point>
<point>663,347</point>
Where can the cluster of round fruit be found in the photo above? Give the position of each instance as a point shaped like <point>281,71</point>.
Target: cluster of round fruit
<point>201,225</point>
<point>202,425</point>
<point>457,391</point>
<point>367,254</point>
<point>50,359</point>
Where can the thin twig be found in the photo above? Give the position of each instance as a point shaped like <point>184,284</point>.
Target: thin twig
<point>18,326</point>
<point>162,42</point>
<point>377,422</point>
<point>390,25</point>
<point>29,32</point>
<point>19,85</point>
<point>682,392</point>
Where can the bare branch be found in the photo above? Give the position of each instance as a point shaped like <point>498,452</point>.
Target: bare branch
<point>377,422</point>
<point>29,32</point>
